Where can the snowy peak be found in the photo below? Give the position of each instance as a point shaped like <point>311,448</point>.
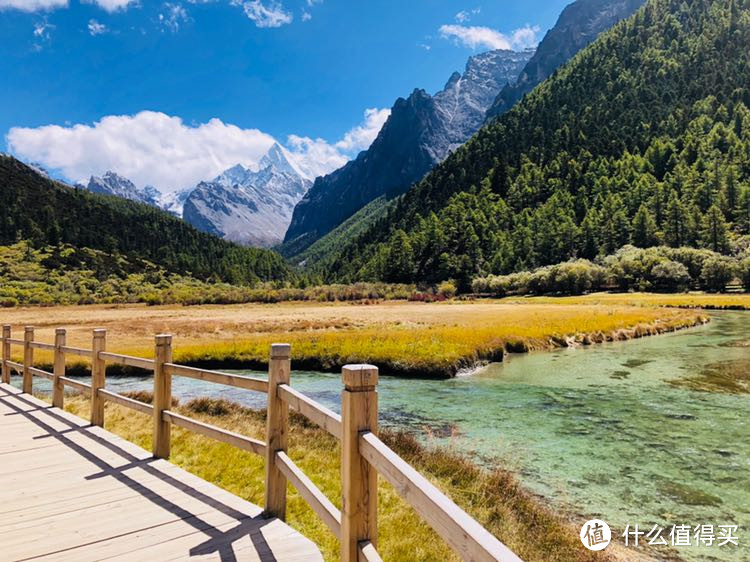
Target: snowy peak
<point>280,160</point>
<point>247,206</point>
<point>175,201</point>
<point>112,184</point>
<point>235,175</point>
<point>463,102</point>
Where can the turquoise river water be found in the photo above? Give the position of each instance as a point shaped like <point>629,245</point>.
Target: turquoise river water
<point>600,432</point>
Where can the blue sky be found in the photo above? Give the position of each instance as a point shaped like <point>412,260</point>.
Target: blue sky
<point>309,68</point>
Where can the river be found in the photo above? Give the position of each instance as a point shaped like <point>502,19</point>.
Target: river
<point>600,431</point>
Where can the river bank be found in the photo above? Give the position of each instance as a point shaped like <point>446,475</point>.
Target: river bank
<point>416,340</point>
<point>617,430</point>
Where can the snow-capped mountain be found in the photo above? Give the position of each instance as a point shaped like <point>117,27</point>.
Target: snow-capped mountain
<point>113,184</point>
<point>462,104</point>
<point>252,207</point>
<point>175,201</point>
<point>419,133</point>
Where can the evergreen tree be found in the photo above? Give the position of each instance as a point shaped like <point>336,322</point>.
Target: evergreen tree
<point>644,228</point>
<point>714,231</point>
<point>399,266</point>
<point>675,222</point>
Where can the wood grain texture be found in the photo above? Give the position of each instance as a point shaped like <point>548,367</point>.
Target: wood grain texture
<point>239,381</point>
<point>98,373</point>
<point>359,480</point>
<point>467,537</point>
<point>277,430</point>
<point>72,491</point>
<point>162,396</point>
<point>58,391</point>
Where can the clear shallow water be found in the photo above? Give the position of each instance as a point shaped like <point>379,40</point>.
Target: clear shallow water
<point>599,431</point>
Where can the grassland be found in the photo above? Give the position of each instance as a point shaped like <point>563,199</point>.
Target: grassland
<point>404,338</point>
<point>708,301</point>
<point>493,498</point>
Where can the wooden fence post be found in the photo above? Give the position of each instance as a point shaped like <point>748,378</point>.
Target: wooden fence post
<point>58,392</point>
<point>28,359</point>
<point>277,430</point>
<point>162,396</point>
<point>6,353</point>
<point>98,370</point>
<point>359,413</point>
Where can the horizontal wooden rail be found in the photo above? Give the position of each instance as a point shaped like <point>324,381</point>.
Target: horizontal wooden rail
<point>44,346</point>
<point>467,537</point>
<point>239,381</point>
<point>82,386</point>
<point>136,405</point>
<point>363,454</point>
<point>320,504</point>
<point>367,552</point>
<point>218,433</point>
<point>127,360</point>
<point>319,415</point>
<point>77,351</point>
<point>41,373</point>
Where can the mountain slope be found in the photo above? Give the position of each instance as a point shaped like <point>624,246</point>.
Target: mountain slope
<point>643,137</point>
<point>113,184</point>
<point>48,213</point>
<point>246,206</point>
<point>578,25</point>
<point>420,132</point>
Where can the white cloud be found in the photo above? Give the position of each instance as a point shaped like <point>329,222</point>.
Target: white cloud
<point>149,148</point>
<point>316,156</point>
<point>42,29</point>
<point>478,36</point>
<point>36,5</point>
<point>32,5</point>
<point>525,37</point>
<point>361,137</point>
<point>466,15</point>
<point>96,28</point>
<point>320,157</point>
<point>112,5</point>
<point>173,16</point>
<point>306,16</point>
<point>152,148</point>
<point>272,14</point>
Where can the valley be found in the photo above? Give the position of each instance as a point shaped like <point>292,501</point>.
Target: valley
<point>543,244</point>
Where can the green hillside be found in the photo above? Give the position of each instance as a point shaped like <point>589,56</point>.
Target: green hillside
<point>48,213</point>
<point>643,138</point>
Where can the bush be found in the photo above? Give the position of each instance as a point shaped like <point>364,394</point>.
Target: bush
<point>743,270</point>
<point>8,302</point>
<point>448,289</point>
<point>716,274</point>
<point>671,276</point>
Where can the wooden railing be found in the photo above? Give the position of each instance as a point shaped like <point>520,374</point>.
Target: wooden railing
<point>363,455</point>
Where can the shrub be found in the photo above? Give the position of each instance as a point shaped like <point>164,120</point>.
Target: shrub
<point>448,289</point>
<point>743,270</point>
<point>8,302</point>
<point>671,276</point>
<point>717,273</point>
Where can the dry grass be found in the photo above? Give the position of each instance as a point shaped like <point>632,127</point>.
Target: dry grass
<point>494,498</point>
<point>402,338</point>
<point>738,301</point>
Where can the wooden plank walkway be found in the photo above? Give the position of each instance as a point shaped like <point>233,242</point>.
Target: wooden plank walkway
<point>72,491</point>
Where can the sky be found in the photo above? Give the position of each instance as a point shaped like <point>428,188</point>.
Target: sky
<point>169,93</point>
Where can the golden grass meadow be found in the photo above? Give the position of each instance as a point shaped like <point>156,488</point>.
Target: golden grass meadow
<point>494,498</point>
<point>405,338</point>
<point>415,338</point>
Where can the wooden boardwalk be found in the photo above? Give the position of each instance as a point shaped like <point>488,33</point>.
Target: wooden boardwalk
<point>72,491</point>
